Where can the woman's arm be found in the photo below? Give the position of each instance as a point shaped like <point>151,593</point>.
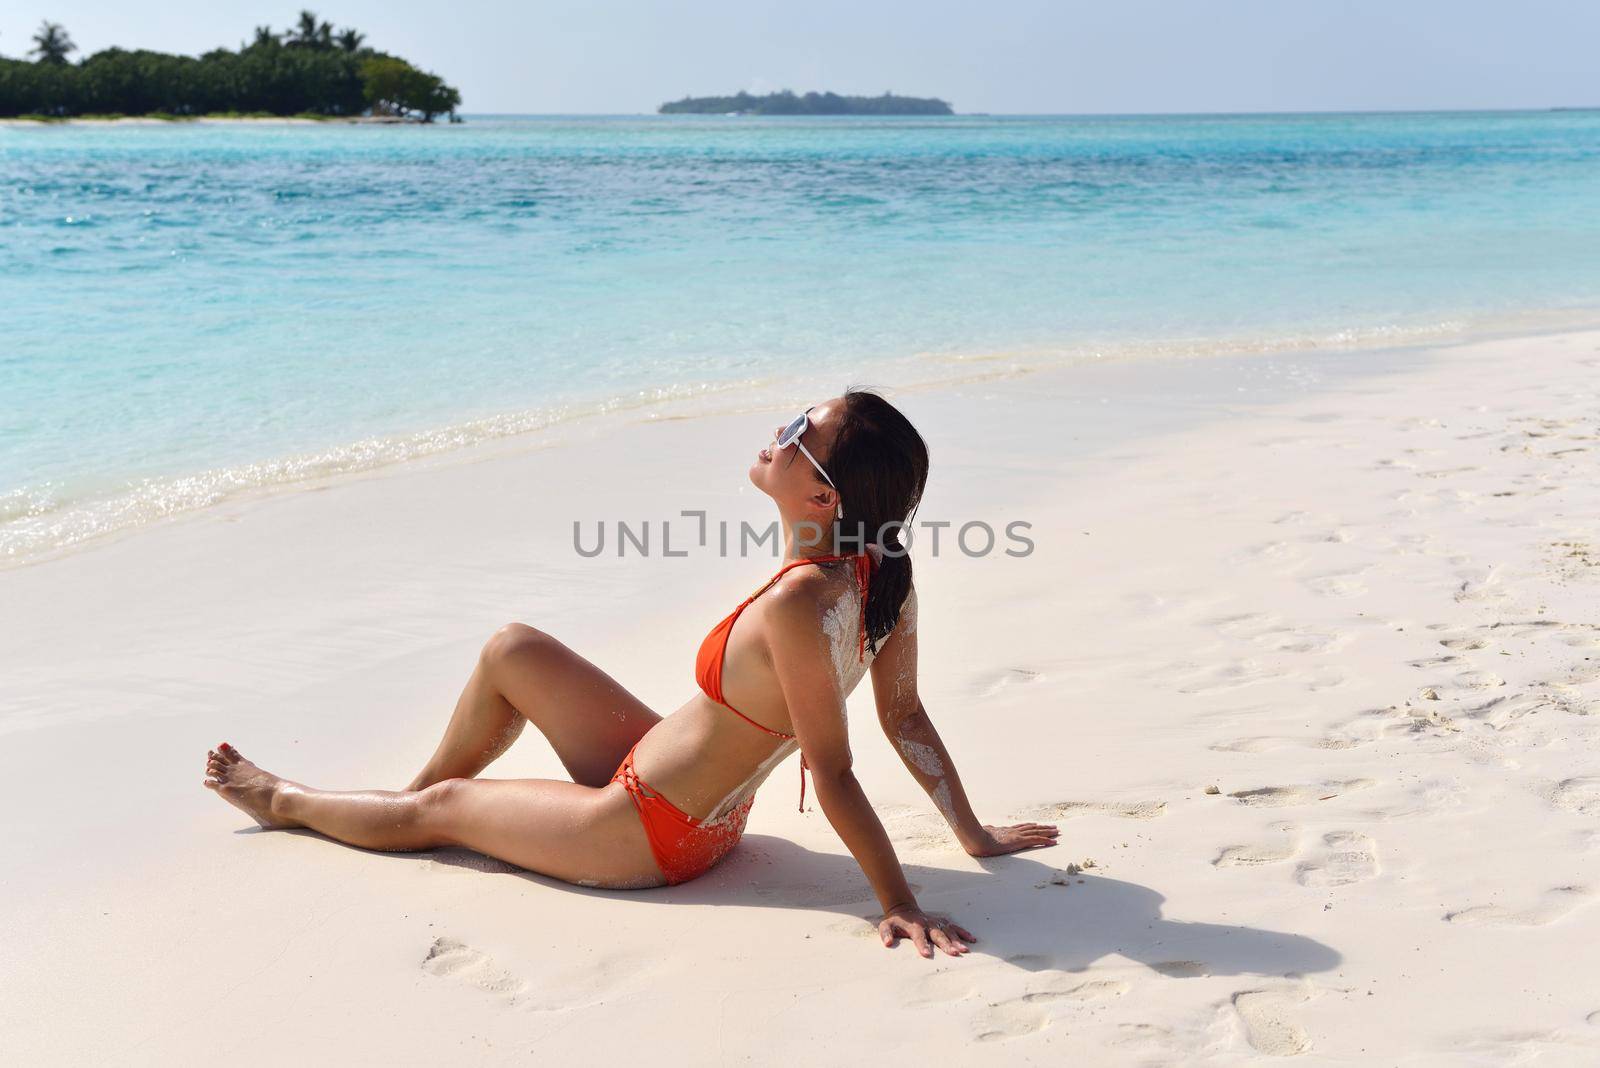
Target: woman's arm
<point>906,724</point>
<point>804,664</point>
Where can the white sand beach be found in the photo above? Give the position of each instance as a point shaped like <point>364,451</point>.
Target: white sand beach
<point>1306,664</point>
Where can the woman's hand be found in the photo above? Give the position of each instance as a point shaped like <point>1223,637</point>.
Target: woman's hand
<point>923,928</point>
<point>998,841</point>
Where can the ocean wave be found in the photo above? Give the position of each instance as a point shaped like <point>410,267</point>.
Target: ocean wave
<point>39,522</point>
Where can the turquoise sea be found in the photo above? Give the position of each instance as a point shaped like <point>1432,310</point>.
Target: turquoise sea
<point>189,311</point>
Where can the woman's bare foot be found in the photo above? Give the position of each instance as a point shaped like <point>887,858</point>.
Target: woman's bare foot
<point>242,784</point>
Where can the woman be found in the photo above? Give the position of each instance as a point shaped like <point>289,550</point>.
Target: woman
<point>660,800</point>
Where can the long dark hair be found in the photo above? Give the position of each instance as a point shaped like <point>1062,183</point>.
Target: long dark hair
<point>880,464</point>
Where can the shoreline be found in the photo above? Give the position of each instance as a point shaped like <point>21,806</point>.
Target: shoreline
<point>1295,644</point>
<point>40,529</point>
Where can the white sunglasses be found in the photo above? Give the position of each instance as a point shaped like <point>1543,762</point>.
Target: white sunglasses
<point>790,435</point>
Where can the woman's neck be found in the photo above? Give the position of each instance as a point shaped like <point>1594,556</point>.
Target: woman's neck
<point>805,539</point>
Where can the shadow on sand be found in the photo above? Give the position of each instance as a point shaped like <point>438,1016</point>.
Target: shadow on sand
<point>1032,926</point>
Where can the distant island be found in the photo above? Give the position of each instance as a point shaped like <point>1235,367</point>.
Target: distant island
<point>790,103</point>
<point>308,70</point>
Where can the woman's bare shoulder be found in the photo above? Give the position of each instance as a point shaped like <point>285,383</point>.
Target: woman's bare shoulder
<point>805,592</point>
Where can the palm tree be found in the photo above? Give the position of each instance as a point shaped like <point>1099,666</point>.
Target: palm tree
<point>309,33</point>
<point>51,44</point>
<point>265,38</point>
<point>350,39</point>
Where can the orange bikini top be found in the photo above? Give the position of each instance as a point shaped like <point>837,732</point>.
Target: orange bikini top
<point>708,663</point>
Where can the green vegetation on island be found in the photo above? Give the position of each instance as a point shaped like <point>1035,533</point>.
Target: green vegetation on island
<point>790,103</point>
<point>308,71</point>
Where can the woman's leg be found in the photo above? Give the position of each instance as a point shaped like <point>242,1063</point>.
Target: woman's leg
<point>577,833</point>
<point>524,675</point>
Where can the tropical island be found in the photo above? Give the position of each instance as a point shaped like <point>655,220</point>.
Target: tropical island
<point>789,103</point>
<point>308,70</point>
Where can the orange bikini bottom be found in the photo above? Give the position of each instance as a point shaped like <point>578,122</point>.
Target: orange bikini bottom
<point>684,847</point>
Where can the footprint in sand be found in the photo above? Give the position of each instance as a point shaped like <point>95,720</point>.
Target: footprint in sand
<point>1225,677</point>
<point>1248,625</point>
<point>1467,644</point>
<point>1578,676</point>
<point>1129,810</point>
<point>1423,798</point>
<point>1299,794</point>
<point>450,959</point>
<point>1324,678</point>
<point>1419,422</point>
<point>1093,990</point>
<point>1580,794</point>
<point>1552,905</point>
<point>1338,584</point>
<point>1479,680</point>
<point>1502,712</point>
<point>1348,857</point>
<point>1007,1020</point>
<point>1256,854</point>
<point>1299,640</point>
<point>1530,628</point>
<point>1259,743</point>
<point>1269,1023</point>
<point>1148,1038</point>
<point>941,988</point>
<point>1026,1014</point>
<point>1424,716</point>
<point>1479,585</point>
<point>1272,550</point>
<point>1273,632</point>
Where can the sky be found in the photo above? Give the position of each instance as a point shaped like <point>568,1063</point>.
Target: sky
<point>1001,57</point>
